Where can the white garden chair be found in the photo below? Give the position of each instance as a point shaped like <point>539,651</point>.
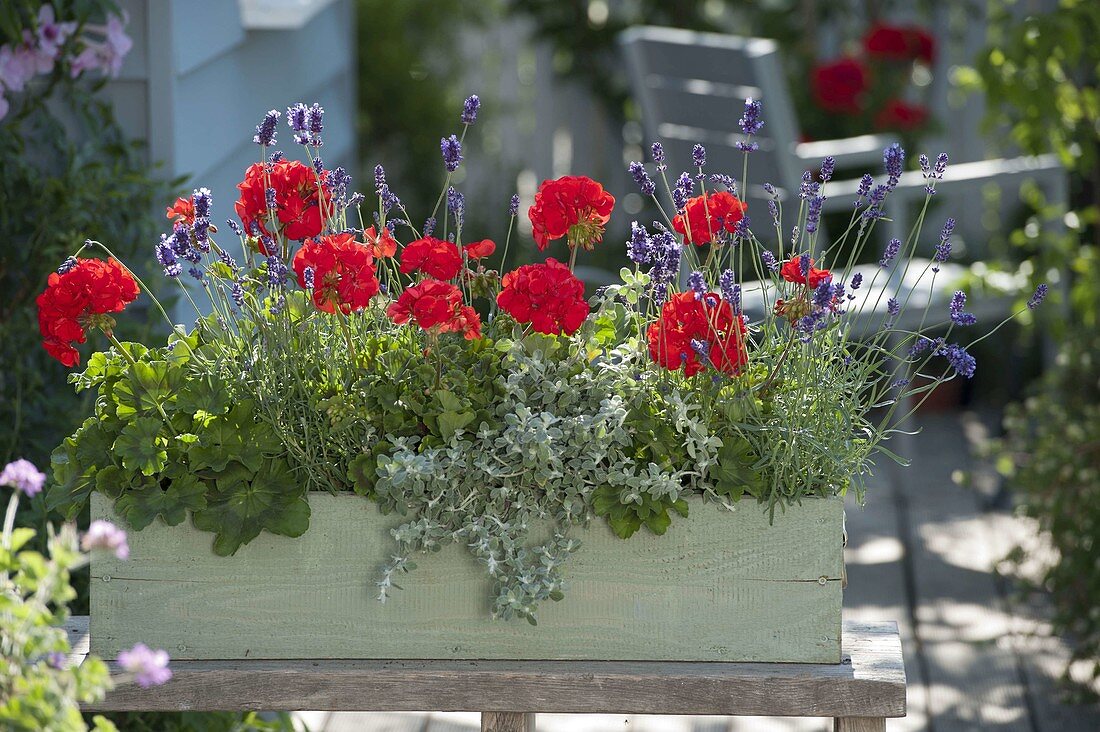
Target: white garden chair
<point>691,87</point>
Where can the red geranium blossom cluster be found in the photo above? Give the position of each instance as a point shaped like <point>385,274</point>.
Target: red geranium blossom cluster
<point>708,215</point>
<point>434,257</point>
<point>791,271</point>
<point>297,206</point>
<point>339,270</point>
<point>573,206</point>
<point>78,299</point>
<point>382,244</point>
<point>437,308</point>
<point>547,295</point>
<point>869,85</point>
<point>695,331</point>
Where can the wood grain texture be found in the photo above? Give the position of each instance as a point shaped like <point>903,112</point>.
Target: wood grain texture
<point>859,724</point>
<point>870,682</point>
<point>718,586</point>
<point>507,722</point>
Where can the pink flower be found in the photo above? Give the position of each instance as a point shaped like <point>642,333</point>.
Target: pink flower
<point>149,667</point>
<point>16,67</point>
<point>106,536</point>
<point>23,476</point>
<point>106,55</point>
<point>51,34</point>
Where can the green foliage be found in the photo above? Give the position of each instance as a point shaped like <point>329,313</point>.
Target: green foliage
<point>1051,455</point>
<point>203,722</point>
<point>35,592</point>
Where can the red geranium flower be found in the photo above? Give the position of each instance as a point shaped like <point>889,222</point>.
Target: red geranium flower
<point>382,245</point>
<point>298,211</point>
<point>182,211</point>
<point>437,307</point>
<point>575,207</point>
<point>343,273</point>
<point>899,43</point>
<point>709,215</point>
<point>839,86</point>
<point>791,271</point>
<point>434,257</point>
<point>480,249</point>
<point>77,300</point>
<point>899,115</point>
<point>548,296</point>
<point>692,332</point>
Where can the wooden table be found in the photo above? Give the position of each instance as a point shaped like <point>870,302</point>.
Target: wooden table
<point>859,693</point>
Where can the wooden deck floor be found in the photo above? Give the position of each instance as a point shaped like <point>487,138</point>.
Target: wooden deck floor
<point>921,553</point>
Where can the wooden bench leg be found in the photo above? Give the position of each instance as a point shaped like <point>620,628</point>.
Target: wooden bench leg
<point>859,724</point>
<point>507,722</point>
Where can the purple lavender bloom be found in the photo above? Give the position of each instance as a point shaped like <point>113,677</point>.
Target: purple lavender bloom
<point>149,667</point>
<point>379,179</point>
<point>893,247</point>
<point>963,363</point>
<point>893,307</point>
<point>356,199</point>
<point>638,248</point>
<point>813,213</point>
<point>265,131</point>
<point>23,476</point>
<point>227,259</point>
<point>724,180</point>
<point>921,345</point>
<point>823,294</point>
<point>809,187</point>
<point>828,166</point>
<point>943,249</point>
<point>234,227</point>
<point>900,384</point>
<point>66,265</point>
<point>893,159</point>
<point>319,166</point>
<point>865,184</point>
<point>773,209</point>
<point>804,264</point>
<point>167,258</point>
<point>237,293</point>
<point>741,230</point>
<point>925,165</point>
<point>682,192</point>
<point>276,271</point>
<point>701,348</point>
<point>513,205</point>
<point>315,121</point>
<point>642,179</point>
<point>727,285</point>
<point>452,152</point>
<point>698,284</point>
<point>698,155</point>
<point>429,226</point>
<point>751,121</point>
<point>456,204</point>
<point>296,120</point>
<point>958,317</point>
<point>857,280</point>
<point>56,660</point>
<point>339,179</point>
<point>201,200</point>
<point>769,260</point>
<point>308,275</point>
<point>658,151</point>
<point>105,536</point>
<point>1037,298</point>
<point>270,199</point>
<point>276,156</point>
<point>470,108</point>
<point>941,166</point>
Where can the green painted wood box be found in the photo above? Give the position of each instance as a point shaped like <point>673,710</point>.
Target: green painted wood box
<point>719,586</point>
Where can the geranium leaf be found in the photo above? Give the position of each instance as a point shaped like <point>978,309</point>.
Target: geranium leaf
<point>140,446</point>
<point>142,506</point>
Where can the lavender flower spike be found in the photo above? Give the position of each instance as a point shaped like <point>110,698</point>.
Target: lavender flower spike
<point>1033,302</point>
<point>23,476</point>
<point>470,108</point>
<point>149,667</point>
<point>513,205</point>
<point>893,247</point>
<point>698,284</point>
<point>658,151</point>
<point>751,122</point>
<point>958,317</point>
<point>452,152</point>
<point>642,179</point>
<point>265,131</point>
<point>106,536</point>
<point>698,155</point>
<point>943,249</point>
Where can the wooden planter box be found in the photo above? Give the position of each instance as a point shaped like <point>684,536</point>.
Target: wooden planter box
<point>719,586</point>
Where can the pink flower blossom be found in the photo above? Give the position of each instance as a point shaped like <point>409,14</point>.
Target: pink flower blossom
<point>106,536</point>
<point>16,67</point>
<point>51,34</point>
<point>149,667</point>
<point>21,474</point>
<point>106,55</point>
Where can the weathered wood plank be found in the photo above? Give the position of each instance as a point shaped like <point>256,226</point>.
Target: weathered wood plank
<point>507,722</point>
<point>860,724</point>
<point>870,682</point>
<point>718,586</point>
